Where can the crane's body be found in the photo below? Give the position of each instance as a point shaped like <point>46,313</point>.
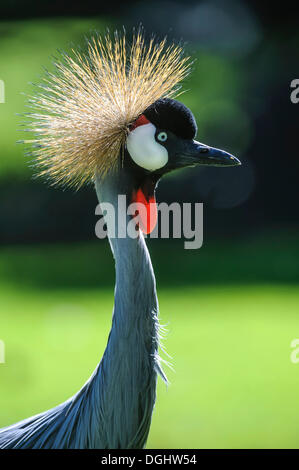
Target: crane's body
<point>112,120</point>
<point>90,419</point>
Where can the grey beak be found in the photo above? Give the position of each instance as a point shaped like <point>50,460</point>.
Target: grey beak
<point>195,153</point>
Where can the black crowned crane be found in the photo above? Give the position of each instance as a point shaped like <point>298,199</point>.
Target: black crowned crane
<point>109,117</point>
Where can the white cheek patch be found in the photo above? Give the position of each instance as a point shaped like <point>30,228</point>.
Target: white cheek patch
<point>145,150</point>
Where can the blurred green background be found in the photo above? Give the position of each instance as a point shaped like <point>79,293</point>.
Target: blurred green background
<point>230,308</point>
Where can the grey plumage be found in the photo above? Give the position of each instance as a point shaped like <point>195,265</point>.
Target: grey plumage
<point>114,407</point>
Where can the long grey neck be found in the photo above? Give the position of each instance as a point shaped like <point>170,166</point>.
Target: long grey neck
<point>135,280</point>
<point>129,367</point>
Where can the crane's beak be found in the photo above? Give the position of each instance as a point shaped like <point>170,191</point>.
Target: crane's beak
<point>193,153</point>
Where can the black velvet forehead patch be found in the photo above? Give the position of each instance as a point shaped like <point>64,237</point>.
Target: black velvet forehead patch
<point>173,116</point>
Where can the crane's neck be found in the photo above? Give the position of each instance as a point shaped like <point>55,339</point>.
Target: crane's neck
<point>135,280</point>
<point>130,363</point>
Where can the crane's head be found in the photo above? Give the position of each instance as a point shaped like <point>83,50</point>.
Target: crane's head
<point>112,109</point>
<point>162,140</point>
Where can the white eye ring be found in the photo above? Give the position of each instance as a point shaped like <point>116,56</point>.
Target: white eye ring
<point>145,149</point>
<point>162,136</point>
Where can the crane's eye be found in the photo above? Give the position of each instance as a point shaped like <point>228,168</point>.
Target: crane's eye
<point>162,136</point>
<point>145,149</point>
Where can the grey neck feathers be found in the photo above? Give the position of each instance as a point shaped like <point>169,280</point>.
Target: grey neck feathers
<point>128,370</point>
<point>114,408</point>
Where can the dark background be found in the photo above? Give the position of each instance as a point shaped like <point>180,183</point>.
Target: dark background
<point>260,43</point>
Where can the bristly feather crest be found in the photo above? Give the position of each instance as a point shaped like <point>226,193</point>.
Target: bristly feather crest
<point>82,117</point>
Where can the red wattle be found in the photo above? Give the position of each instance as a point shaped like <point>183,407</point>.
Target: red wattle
<point>141,121</point>
<point>147,221</point>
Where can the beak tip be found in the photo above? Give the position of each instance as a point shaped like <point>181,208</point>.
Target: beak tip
<point>237,162</point>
